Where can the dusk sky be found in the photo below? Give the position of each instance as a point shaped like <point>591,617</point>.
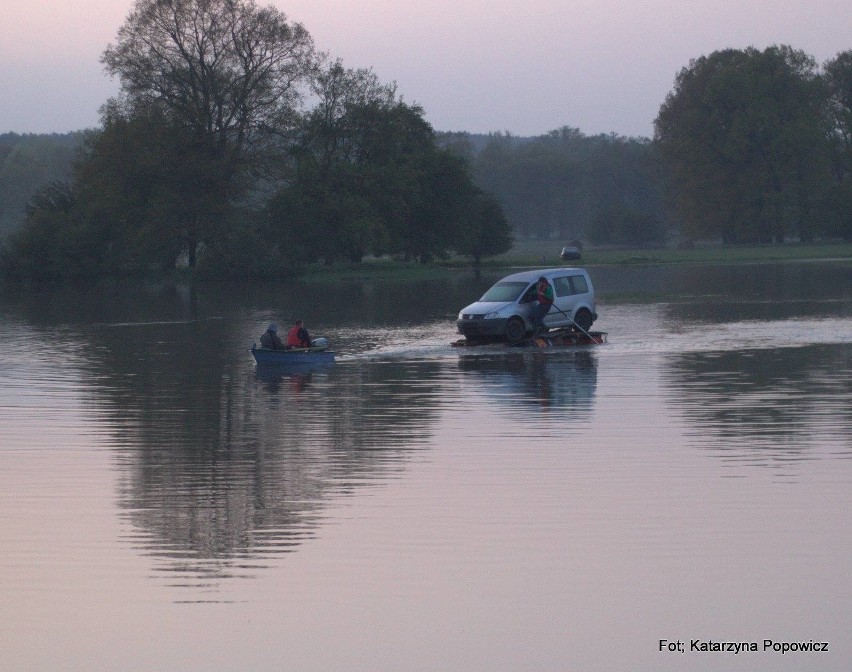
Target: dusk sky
<point>523,66</point>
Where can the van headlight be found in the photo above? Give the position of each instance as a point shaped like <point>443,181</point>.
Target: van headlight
<point>493,315</point>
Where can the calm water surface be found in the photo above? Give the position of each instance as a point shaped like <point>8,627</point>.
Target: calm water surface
<point>166,505</point>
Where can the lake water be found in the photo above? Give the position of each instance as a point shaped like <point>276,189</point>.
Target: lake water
<point>166,506</point>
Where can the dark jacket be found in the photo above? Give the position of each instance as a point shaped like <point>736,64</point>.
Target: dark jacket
<point>271,341</point>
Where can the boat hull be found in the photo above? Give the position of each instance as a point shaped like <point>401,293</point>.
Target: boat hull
<point>267,357</point>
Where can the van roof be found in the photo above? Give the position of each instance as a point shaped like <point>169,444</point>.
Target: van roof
<point>530,276</point>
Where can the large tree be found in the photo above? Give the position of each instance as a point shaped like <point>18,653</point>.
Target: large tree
<point>226,78</point>
<point>369,177</point>
<point>151,188</point>
<point>230,71</point>
<point>330,209</point>
<point>744,136</point>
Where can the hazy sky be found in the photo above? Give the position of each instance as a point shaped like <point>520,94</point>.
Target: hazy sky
<point>524,66</point>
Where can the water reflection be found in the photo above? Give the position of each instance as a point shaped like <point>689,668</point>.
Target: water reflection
<point>295,377</point>
<point>284,444</point>
<point>766,407</point>
<point>776,283</point>
<point>547,380</point>
<point>222,465</point>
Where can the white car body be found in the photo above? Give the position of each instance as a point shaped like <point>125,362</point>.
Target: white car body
<point>505,310</point>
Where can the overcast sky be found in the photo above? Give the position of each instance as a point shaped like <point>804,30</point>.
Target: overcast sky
<point>523,66</point>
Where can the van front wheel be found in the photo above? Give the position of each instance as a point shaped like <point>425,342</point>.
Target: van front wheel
<point>515,330</point>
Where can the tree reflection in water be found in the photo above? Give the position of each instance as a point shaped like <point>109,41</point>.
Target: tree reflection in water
<point>765,407</point>
<point>223,466</point>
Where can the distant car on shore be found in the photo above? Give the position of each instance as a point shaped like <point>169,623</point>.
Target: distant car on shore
<point>570,252</point>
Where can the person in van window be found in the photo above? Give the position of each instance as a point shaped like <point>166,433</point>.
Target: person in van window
<point>270,338</point>
<point>298,336</point>
<point>543,301</point>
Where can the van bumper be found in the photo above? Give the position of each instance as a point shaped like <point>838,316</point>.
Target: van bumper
<point>481,328</point>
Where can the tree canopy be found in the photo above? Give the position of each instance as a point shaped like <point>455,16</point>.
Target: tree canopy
<point>744,135</point>
<point>224,78</point>
<point>229,71</point>
<point>370,178</point>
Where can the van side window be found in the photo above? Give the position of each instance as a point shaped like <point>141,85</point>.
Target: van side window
<point>562,286</point>
<point>580,284</point>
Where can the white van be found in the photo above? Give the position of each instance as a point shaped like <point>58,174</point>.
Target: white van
<point>505,310</point>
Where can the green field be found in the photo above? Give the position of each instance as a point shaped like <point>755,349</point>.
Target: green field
<point>546,253</point>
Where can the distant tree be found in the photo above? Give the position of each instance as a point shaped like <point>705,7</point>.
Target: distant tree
<point>618,225</point>
<point>228,70</point>
<point>53,243</point>
<point>130,202</point>
<point>485,231</point>
<point>29,163</point>
<point>744,137</point>
<point>558,183</point>
<point>838,78</point>
<point>331,210</point>
<point>438,208</point>
<point>324,212</point>
<point>143,194</point>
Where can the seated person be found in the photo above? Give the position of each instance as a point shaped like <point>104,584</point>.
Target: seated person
<point>298,336</point>
<point>270,338</point>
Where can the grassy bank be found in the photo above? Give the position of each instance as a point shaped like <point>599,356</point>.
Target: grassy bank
<point>373,269</point>
<point>546,253</point>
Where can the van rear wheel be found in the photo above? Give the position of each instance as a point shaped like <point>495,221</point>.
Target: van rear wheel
<point>515,330</point>
<point>583,319</point>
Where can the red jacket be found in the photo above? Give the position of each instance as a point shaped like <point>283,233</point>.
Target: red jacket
<point>298,337</point>
<point>545,296</point>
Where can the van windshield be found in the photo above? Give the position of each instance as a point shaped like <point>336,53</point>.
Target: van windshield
<point>504,291</point>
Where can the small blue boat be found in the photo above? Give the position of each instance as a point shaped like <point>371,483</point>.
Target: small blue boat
<point>313,355</point>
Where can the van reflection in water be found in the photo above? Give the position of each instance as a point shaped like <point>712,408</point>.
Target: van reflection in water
<point>549,380</point>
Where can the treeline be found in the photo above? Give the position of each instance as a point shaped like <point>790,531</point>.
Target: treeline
<point>749,147</point>
<point>237,148</point>
<point>603,189</point>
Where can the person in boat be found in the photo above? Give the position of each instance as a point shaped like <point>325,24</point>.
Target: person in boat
<point>271,339</point>
<point>298,336</point>
<point>543,301</point>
